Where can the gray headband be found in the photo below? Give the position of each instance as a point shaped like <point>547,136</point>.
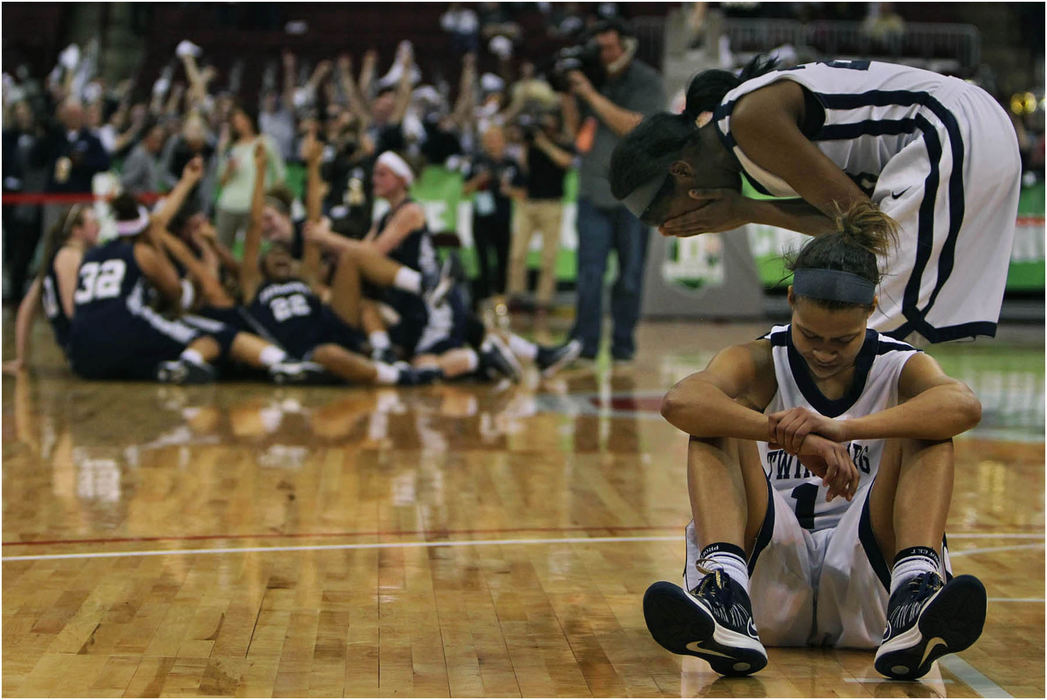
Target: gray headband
<point>639,200</point>
<point>833,285</point>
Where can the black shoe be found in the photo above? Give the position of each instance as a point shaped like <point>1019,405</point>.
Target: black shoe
<point>182,371</point>
<point>295,372</point>
<point>418,376</point>
<point>713,622</point>
<point>385,355</point>
<point>552,360</point>
<point>926,620</point>
<point>497,359</point>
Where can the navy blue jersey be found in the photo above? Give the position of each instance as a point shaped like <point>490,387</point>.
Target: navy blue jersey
<point>108,281</point>
<point>52,303</point>
<point>297,320</point>
<point>416,250</point>
<point>114,333</point>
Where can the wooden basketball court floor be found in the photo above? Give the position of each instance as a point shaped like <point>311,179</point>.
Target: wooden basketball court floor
<point>459,540</point>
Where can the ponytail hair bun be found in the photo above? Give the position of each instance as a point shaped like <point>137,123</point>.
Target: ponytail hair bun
<point>863,232</point>
<point>865,226</point>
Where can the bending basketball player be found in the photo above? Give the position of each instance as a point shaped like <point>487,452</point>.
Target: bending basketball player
<point>936,154</point>
<point>820,454</point>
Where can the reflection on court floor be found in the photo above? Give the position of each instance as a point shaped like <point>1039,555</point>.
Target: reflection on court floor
<point>455,540</point>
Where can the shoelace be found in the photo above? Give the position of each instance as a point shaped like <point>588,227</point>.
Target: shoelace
<point>712,584</point>
<point>922,586</point>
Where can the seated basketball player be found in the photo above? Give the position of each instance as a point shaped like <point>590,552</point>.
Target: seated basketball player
<point>820,455</point>
<point>453,338</point>
<point>64,246</point>
<point>280,294</point>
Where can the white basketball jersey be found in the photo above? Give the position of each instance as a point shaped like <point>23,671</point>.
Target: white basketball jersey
<point>937,155</point>
<point>874,388</point>
<point>872,111</point>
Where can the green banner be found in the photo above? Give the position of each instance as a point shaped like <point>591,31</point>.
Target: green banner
<point>692,261</point>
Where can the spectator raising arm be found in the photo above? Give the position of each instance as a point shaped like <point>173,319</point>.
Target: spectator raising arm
<point>250,274</point>
<point>357,101</point>
<point>312,150</point>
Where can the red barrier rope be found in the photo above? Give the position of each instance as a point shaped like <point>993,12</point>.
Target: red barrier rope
<point>11,198</point>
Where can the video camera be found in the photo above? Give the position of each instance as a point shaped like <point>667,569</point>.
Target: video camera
<point>584,57</point>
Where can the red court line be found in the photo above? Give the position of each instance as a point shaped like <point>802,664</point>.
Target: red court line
<point>375,533</point>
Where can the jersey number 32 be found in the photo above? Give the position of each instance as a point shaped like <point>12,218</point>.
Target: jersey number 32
<point>99,280</point>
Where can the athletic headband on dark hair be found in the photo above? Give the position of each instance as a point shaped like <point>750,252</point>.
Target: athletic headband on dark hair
<point>135,226</point>
<point>833,285</point>
<point>639,201</point>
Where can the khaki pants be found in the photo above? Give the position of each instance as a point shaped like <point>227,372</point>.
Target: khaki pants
<point>543,215</point>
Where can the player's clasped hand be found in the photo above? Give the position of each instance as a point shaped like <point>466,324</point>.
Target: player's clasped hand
<point>717,210</point>
<point>818,442</point>
<point>831,461</point>
<point>789,428</point>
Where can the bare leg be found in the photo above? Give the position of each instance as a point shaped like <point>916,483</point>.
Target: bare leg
<point>207,346</point>
<point>370,318</point>
<point>346,294</point>
<point>910,498</point>
<point>375,267</point>
<point>247,349</point>
<point>728,491</point>
<point>347,365</point>
<point>454,363</point>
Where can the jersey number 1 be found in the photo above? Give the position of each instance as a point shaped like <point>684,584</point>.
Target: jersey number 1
<point>806,495</point>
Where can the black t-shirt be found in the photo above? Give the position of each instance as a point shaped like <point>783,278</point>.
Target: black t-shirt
<point>490,200</point>
<point>544,176</point>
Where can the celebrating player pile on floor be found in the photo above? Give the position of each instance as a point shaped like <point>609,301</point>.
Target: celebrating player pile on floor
<point>304,305</point>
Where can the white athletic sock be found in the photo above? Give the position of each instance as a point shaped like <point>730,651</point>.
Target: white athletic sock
<point>408,280</point>
<point>473,360</point>
<point>522,348</point>
<point>193,356</point>
<point>271,355</point>
<point>387,374</point>
<point>730,559</point>
<point>911,562</point>
<point>379,340</point>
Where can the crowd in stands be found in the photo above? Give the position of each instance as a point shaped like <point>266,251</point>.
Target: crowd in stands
<point>73,124</point>
<point>504,129</point>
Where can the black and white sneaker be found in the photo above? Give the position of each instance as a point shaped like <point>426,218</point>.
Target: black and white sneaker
<point>417,376</point>
<point>497,359</point>
<point>295,372</point>
<point>182,371</point>
<point>713,622</point>
<point>386,355</point>
<point>552,360</point>
<point>927,619</point>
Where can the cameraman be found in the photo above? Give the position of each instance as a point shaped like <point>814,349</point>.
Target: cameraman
<point>629,90</point>
<point>546,159</point>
